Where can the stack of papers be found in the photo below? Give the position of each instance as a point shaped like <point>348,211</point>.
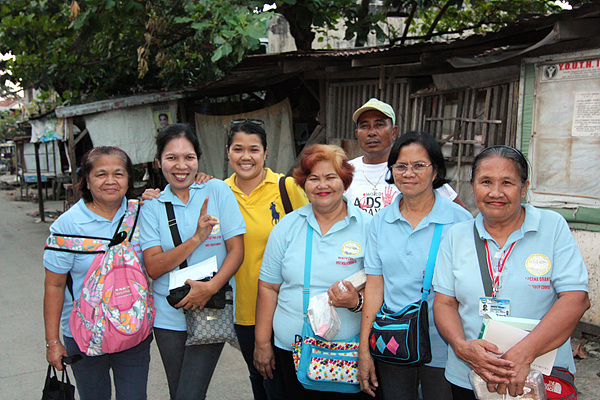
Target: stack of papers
<point>505,332</point>
<point>194,272</point>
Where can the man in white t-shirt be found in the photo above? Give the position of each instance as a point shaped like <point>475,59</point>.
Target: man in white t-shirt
<point>376,131</point>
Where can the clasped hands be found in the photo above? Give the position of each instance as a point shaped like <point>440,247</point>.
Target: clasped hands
<point>501,371</point>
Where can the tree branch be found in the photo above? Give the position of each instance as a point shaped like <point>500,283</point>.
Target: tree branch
<point>408,22</point>
<point>438,17</point>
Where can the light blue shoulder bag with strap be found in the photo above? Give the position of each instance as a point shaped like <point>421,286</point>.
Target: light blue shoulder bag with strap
<point>330,366</point>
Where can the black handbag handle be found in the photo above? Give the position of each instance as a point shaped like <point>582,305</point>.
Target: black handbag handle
<point>174,230</point>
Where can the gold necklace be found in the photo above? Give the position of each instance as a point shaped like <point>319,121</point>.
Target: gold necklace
<point>368,180</point>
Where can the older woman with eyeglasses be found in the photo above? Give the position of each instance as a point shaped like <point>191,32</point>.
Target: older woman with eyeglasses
<point>398,246</point>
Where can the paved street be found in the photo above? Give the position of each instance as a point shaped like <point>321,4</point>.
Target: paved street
<point>22,352</point>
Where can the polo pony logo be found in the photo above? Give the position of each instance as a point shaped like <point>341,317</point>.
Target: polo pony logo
<point>274,214</point>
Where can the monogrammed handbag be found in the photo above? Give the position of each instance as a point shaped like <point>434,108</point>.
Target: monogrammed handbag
<point>211,325</point>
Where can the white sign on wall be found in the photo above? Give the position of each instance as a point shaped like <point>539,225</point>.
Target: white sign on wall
<point>586,115</point>
<point>572,70</point>
<point>565,142</point>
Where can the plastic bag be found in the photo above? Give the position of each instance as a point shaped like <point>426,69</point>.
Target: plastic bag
<point>323,318</point>
<point>534,388</point>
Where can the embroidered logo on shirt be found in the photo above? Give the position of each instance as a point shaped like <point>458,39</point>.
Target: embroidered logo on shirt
<point>538,264</point>
<point>216,228</point>
<point>351,249</point>
<point>274,214</point>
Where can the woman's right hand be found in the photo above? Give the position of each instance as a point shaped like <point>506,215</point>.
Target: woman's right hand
<point>200,293</point>
<point>55,353</point>
<point>202,177</point>
<point>150,194</point>
<point>366,374</point>
<point>264,360</point>
<point>491,368</point>
<point>205,223</point>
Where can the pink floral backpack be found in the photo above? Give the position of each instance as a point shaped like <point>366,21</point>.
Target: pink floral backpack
<point>115,310</point>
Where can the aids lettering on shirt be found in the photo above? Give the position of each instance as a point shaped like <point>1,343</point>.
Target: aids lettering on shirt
<point>374,200</point>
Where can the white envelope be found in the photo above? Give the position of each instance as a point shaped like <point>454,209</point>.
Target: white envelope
<point>195,272</point>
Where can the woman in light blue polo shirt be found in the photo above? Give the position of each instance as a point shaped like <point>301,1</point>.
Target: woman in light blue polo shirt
<point>105,183</point>
<point>339,240</point>
<point>395,261</point>
<point>210,224</point>
<point>534,268</point>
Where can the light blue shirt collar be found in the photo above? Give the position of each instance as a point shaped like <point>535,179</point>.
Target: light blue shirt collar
<point>530,224</point>
<point>86,215</point>
<point>308,212</point>
<point>168,196</point>
<point>437,215</point>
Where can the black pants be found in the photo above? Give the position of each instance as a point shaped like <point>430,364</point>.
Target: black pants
<point>460,393</point>
<point>402,383</point>
<point>263,389</point>
<point>188,368</point>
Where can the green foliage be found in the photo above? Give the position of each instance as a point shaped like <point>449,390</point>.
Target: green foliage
<point>8,124</point>
<point>87,50</point>
<point>433,18</point>
<point>93,49</point>
<point>424,19</point>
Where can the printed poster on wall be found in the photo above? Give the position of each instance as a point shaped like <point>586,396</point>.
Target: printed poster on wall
<point>586,115</point>
<point>162,116</point>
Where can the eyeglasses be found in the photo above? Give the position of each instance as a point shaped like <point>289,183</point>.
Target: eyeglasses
<point>247,120</point>
<point>417,168</point>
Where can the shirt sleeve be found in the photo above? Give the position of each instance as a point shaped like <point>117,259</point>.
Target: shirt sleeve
<point>373,265</point>
<point>447,192</point>
<point>148,224</point>
<point>297,196</point>
<point>569,271</point>
<point>232,221</point>
<point>272,262</point>
<point>443,276</point>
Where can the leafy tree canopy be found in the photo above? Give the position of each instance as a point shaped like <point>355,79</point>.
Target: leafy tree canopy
<point>90,49</point>
<point>427,19</point>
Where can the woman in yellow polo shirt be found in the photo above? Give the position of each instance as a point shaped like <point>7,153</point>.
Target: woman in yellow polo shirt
<point>259,196</point>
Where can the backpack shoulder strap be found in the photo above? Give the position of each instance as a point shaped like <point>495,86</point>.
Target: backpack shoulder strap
<point>94,244</point>
<point>285,197</point>
<point>129,221</point>
<point>77,244</point>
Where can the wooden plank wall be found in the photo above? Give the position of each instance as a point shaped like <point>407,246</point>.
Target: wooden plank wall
<point>343,98</point>
<point>469,119</point>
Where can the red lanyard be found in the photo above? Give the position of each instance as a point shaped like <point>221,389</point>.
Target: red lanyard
<point>501,262</point>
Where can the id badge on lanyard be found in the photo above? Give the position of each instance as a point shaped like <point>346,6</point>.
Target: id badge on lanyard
<point>494,305</point>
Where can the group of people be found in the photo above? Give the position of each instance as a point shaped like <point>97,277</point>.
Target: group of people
<point>377,212</point>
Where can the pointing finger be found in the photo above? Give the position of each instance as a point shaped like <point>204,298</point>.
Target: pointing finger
<point>204,208</point>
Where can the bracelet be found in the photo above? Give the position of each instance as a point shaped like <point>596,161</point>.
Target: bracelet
<point>51,342</point>
<point>359,306</point>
